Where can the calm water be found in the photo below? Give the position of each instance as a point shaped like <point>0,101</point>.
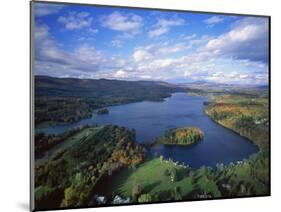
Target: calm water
<point>151,119</point>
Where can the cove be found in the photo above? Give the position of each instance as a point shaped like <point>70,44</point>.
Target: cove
<point>151,119</point>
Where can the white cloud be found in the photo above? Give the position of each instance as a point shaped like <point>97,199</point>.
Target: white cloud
<point>236,77</point>
<point>158,31</point>
<point>43,9</point>
<point>140,55</point>
<point>204,39</point>
<point>214,20</point>
<point>157,50</point>
<point>85,60</point>
<point>41,32</point>
<point>163,26</point>
<point>89,54</point>
<point>163,63</point>
<point>168,60</point>
<point>120,74</point>
<point>93,31</point>
<point>127,23</point>
<point>248,39</point>
<point>159,62</point>
<point>76,20</point>
<point>172,48</point>
<point>190,37</point>
<point>243,76</point>
<point>145,77</point>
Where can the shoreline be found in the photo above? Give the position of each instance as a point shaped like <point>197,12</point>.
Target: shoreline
<point>157,142</point>
<point>236,132</point>
<point>232,130</point>
<point>48,124</point>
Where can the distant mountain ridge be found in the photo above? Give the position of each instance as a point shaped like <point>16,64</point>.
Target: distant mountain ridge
<point>203,83</point>
<point>71,99</point>
<point>52,86</point>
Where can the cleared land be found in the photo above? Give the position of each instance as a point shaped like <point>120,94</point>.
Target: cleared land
<point>247,115</point>
<point>77,137</point>
<point>166,180</point>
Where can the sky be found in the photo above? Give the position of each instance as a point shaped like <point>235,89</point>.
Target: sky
<point>135,44</point>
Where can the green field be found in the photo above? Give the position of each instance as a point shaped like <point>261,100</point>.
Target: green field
<point>156,177</point>
<point>152,178</point>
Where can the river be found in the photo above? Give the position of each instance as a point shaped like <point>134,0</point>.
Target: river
<point>151,119</point>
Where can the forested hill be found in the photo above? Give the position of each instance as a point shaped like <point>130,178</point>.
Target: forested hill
<point>71,99</point>
<point>74,87</point>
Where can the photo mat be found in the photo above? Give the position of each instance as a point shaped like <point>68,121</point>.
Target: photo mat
<point>138,106</point>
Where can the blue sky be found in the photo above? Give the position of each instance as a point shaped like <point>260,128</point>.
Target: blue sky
<point>129,44</point>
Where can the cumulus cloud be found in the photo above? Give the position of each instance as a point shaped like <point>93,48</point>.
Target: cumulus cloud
<point>159,62</point>
<point>46,9</point>
<point>163,26</point>
<point>158,50</point>
<point>248,39</point>
<point>120,74</point>
<point>236,78</point>
<point>41,32</point>
<point>141,54</point>
<point>127,23</point>
<point>85,59</point>
<point>76,20</point>
<point>198,41</point>
<point>232,57</point>
<point>214,20</point>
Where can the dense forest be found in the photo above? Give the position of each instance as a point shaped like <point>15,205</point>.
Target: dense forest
<point>65,100</point>
<point>102,111</point>
<point>45,142</point>
<point>247,115</point>
<point>66,179</point>
<point>182,136</point>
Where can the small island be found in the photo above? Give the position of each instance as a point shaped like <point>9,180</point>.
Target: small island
<point>182,136</point>
<point>103,111</point>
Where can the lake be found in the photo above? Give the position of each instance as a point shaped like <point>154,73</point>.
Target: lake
<point>151,119</point>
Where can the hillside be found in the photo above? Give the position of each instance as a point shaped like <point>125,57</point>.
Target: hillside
<point>67,176</point>
<point>67,100</point>
<point>89,88</point>
<point>247,116</point>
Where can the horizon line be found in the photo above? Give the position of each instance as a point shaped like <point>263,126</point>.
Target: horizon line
<point>153,80</point>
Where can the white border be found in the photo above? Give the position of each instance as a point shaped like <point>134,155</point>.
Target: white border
<point>15,100</point>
